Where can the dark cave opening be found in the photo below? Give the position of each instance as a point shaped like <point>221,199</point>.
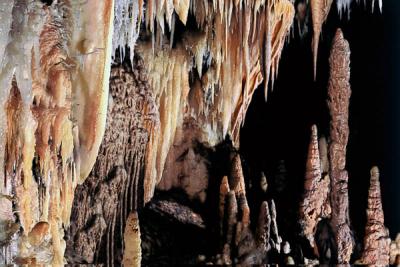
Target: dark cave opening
<point>276,133</point>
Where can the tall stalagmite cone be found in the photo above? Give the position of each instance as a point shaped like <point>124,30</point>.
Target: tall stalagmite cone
<point>238,186</point>
<point>231,217</point>
<point>316,190</point>
<point>376,240</point>
<point>132,252</point>
<point>319,11</point>
<point>223,192</point>
<point>339,96</point>
<point>276,239</point>
<point>263,228</point>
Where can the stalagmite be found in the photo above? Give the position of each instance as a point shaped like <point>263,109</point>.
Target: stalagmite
<point>238,186</point>
<point>338,103</point>
<point>316,189</point>
<point>232,210</point>
<point>132,253</point>
<point>263,183</point>
<point>263,227</point>
<point>276,239</point>
<point>323,154</point>
<point>395,251</point>
<point>319,10</point>
<point>376,240</point>
<point>223,192</point>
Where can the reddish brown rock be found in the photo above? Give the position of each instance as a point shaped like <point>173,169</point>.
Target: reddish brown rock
<point>315,204</point>
<point>338,102</point>
<point>376,240</point>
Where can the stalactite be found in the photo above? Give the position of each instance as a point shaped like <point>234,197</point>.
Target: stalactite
<point>376,241</point>
<point>128,17</point>
<point>319,10</point>
<point>279,16</point>
<point>315,205</point>
<point>214,20</point>
<point>40,66</point>
<point>338,103</point>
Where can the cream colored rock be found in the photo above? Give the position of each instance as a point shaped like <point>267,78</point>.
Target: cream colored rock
<point>132,252</point>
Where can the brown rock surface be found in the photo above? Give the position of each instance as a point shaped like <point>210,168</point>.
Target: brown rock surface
<point>339,96</point>
<point>315,205</point>
<point>376,240</point>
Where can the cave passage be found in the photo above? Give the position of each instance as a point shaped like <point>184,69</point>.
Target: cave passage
<point>276,133</point>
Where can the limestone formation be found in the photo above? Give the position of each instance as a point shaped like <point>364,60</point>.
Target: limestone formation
<point>339,97</point>
<point>319,10</point>
<point>110,106</point>
<point>376,240</point>
<point>132,252</point>
<point>315,205</point>
<point>395,251</point>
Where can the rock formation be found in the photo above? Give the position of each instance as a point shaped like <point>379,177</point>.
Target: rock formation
<point>117,176</point>
<point>395,251</point>
<point>338,103</point>
<point>316,204</point>
<point>132,252</point>
<point>377,240</point>
<point>109,103</point>
<point>319,10</point>
<point>54,77</point>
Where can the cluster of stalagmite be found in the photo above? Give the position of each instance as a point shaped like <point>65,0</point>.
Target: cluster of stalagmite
<point>234,211</point>
<point>239,243</point>
<point>329,199</point>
